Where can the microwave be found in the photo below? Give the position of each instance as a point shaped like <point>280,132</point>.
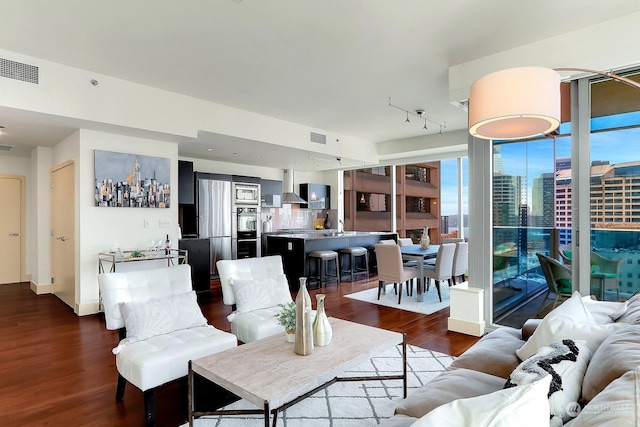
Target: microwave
<point>246,194</point>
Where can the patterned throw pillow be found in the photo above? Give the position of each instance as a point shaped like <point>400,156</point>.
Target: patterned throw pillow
<point>566,362</point>
<point>160,316</point>
<point>253,295</point>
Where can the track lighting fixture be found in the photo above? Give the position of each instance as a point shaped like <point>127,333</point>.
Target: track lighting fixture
<point>420,114</point>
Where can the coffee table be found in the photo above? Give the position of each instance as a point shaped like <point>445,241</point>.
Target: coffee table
<point>271,376</point>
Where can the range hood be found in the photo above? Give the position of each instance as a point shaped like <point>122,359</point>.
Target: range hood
<point>289,197</point>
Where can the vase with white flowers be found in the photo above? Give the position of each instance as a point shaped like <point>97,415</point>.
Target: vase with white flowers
<point>287,318</point>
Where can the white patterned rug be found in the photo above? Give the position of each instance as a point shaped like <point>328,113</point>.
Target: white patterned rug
<point>430,303</point>
<point>346,404</point>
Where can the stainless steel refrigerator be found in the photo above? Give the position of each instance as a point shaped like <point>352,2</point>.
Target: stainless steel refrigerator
<point>214,218</point>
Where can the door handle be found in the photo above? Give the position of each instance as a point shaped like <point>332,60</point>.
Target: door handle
<point>14,234</point>
<point>61,238</point>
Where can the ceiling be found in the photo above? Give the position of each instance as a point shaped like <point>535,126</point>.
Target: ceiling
<point>330,64</point>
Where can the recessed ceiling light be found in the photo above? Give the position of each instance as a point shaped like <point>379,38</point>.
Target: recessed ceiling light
<point>209,149</point>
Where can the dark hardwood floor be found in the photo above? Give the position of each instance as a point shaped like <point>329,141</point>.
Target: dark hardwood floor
<point>57,369</point>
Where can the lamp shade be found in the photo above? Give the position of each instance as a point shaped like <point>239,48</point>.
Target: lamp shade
<point>515,103</point>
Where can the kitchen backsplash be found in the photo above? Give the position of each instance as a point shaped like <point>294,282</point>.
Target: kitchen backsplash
<point>289,218</point>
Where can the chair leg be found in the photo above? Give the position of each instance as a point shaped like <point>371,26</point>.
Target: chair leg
<point>399,292</point>
<point>438,287</point>
<point>543,304</point>
<point>120,388</point>
<point>150,407</point>
<point>380,286</point>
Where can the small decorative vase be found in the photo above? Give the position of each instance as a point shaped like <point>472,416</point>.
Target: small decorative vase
<point>291,336</point>
<point>322,331</point>
<point>304,328</point>
<point>425,241</point>
<point>327,223</point>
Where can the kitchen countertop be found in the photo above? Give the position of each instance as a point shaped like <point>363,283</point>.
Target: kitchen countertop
<point>327,234</point>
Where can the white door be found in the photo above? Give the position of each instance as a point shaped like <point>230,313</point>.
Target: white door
<point>10,238</point>
<point>62,233</point>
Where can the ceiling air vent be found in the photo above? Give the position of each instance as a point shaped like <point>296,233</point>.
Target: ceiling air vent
<point>318,138</point>
<point>18,71</point>
<point>5,147</point>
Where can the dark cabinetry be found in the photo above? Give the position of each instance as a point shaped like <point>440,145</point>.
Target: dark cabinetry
<point>271,193</point>
<point>186,187</point>
<point>198,251</point>
<point>318,196</point>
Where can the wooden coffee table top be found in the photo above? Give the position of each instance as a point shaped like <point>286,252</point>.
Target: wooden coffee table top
<point>269,371</point>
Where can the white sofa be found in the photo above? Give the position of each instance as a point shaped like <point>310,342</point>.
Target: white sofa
<point>161,328</point>
<point>254,287</point>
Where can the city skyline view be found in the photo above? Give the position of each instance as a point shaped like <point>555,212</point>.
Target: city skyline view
<point>531,159</point>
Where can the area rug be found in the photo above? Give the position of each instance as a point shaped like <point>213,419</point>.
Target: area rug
<point>346,404</point>
<point>430,302</point>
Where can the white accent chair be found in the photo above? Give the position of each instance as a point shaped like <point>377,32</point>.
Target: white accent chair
<point>261,285</point>
<point>166,328</point>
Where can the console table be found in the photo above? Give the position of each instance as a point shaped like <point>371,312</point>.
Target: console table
<point>173,257</point>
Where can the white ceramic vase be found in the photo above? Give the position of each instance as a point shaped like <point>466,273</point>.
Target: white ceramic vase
<point>425,241</point>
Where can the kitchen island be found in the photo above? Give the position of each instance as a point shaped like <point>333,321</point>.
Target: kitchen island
<point>295,247</point>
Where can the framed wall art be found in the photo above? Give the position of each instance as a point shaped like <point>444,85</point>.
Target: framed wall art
<point>131,180</point>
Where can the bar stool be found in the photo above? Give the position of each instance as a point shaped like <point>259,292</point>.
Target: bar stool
<point>321,259</point>
<point>354,254</point>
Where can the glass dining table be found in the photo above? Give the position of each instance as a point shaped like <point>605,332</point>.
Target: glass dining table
<point>417,254</point>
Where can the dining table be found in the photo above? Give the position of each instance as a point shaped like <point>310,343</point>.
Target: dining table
<point>419,255</point>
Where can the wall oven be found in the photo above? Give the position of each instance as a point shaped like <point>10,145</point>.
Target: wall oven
<point>246,232</point>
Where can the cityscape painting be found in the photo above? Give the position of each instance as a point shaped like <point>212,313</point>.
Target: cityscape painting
<point>131,180</point>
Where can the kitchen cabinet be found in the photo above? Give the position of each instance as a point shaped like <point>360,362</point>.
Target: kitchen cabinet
<point>200,260</point>
<point>271,193</point>
<point>186,181</point>
<point>318,196</point>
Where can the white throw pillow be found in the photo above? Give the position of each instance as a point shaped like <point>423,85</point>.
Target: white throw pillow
<point>160,316</point>
<point>571,320</point>
<point>522,406</point>
<point>604,311</point>
<point>567,363</point>
<point>253,295</point>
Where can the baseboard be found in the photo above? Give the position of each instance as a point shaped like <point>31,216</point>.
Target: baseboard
<point>469,328</point>
<point>86,309</point>
<point>40,289</point>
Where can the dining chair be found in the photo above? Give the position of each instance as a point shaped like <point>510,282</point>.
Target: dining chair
<point>391,268</point>
<point>405,241</point>
<point>460,257</point>
<point>558,277</point>
<point>442,269</point>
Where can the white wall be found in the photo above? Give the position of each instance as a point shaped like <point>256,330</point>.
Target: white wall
<point>99,227</point>
<point>39,232</point>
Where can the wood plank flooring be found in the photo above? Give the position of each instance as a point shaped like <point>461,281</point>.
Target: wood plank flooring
<point>57,369</point>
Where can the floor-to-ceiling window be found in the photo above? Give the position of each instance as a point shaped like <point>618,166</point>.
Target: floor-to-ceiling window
<point>534,203</point>
<point>523,219</point>
<point>615,180</point>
